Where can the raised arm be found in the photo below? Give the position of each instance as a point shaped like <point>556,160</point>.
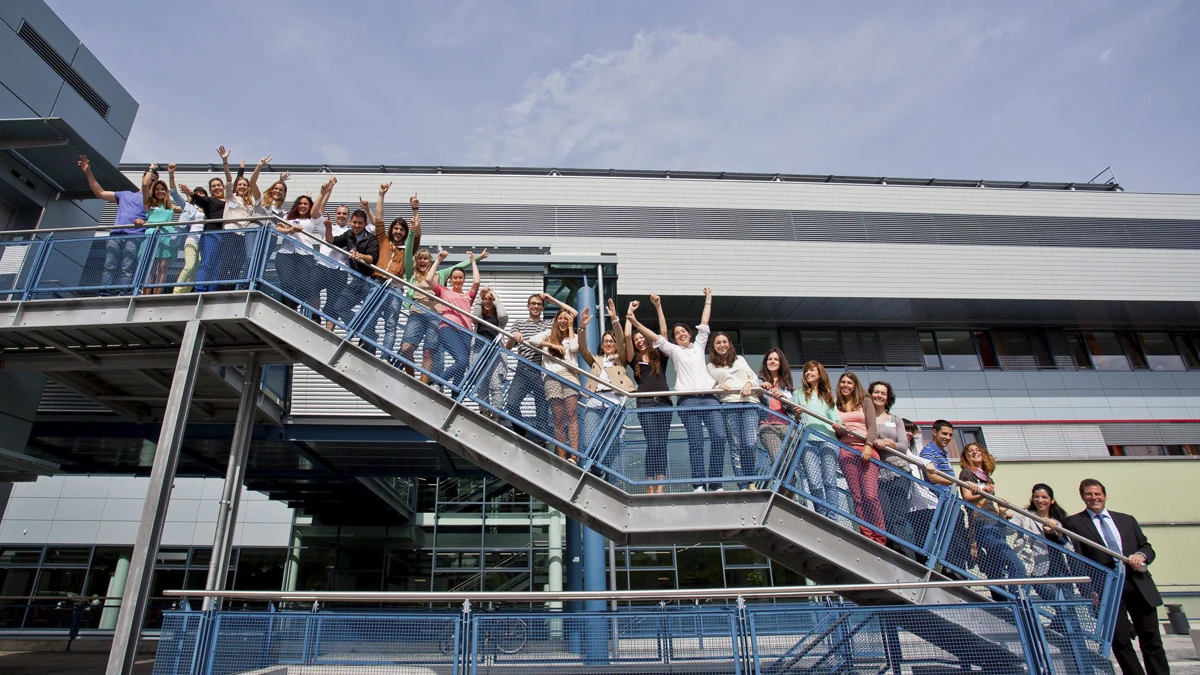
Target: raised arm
<point>323,198</point>
<point>460,265</point>
<point>254,191</point>
<point>475,272</point>
<point>147,184</point>
<point>584,319</point>
<point>97,191</point>
<point>383,188</point>
<point>662,318</point>
<point>415,226</point>
<point>704,316</point>
<point>431,277</point>
<point>225,165</point>
<point>546,297</point>
<point>618,334</point>
<point>646,332</point>
<point>629,350</point>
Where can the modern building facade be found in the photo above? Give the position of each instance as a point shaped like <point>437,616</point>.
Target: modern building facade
<point>1057,323</point>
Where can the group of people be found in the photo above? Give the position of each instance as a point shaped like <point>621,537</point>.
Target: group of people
<point>719,393</point>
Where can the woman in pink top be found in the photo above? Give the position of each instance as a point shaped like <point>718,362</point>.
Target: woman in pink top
<point>857,414</point>
<point>457,327</point>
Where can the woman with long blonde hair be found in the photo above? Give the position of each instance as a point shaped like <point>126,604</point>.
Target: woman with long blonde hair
<point>989,543</point>
<point>819,454</point>
<point>562,342</point>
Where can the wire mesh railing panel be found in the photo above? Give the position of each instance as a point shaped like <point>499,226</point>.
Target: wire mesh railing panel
<point>707,641</point>
<point>731,445</point>
<point>178,643</point>
<point>164,258</point>
<point>18,261</point>
<point>332,642</point>
<point>90,266</point>
<point>1065,641</point>
<point>872,640</point>
<point>980,544</point>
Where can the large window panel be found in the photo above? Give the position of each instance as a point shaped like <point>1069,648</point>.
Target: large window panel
<point>1161,352</point>
<point>957,350</point>
<point>1106,351</point>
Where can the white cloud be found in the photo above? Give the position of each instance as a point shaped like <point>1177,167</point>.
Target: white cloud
<point>1105,55</point>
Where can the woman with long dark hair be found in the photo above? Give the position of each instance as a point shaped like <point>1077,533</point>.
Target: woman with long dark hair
<point>734,375</point>
<point>654,412</point>
<point>160,213</point>
<point>776,378</point>
<point>857,417</point>
<point>1039,559</point>
<point>892,445</point>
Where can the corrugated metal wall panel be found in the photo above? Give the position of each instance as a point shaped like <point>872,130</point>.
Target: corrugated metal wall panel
<point>59,399</point>
<point>315,396</point>
<point>1151,434</point>
<point>1045,441</point>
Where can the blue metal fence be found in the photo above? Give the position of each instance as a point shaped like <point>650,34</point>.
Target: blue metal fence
<point>1011,637</point>
<point>719,446</point>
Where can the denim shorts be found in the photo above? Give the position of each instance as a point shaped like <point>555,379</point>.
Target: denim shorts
<point>421,325</point>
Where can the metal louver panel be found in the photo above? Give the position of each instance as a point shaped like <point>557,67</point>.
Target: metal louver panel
<point>64,69</point>
<point>1151,434</point>
<point>57,398</point>
<point>480,221</point>
<point>1045,441</point>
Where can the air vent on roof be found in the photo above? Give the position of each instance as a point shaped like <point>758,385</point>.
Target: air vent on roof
<point>55,60</point>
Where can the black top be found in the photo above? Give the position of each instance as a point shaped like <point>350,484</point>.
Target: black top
<point>485,330</point>
<point>367,244</point>
<point>648,380</point>
<point>214,209</point>
<point>968,476</point>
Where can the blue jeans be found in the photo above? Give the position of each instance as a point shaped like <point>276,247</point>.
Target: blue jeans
<point>693,421</point>
<point>389,311</point>
<point>455,341</point>
<point>819,458</point>
<point>743,427</point>
<point>654,415</point>
<point>422,326</point>
<point>997,560</point>
<point>527,381</point>
<point>120,262</point>
<point>222,256</point>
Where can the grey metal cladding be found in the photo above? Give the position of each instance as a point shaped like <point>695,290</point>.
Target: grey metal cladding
<point>548,220</point>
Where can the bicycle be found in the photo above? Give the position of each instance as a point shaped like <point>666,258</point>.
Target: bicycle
<point>506,635</point>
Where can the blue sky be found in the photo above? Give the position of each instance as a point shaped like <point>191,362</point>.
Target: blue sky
<point>1052,91</point>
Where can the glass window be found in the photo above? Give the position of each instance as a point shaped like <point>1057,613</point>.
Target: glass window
<point>20,556</point>
<point>68,556</point>
<point>104,564</point>
<point>408,570</point>
<point>260,569</point>
<point>1160,351</point>
<point>651,579</point>
<point>1187,348</point>
<point>987,350</point>
<point>929,349</point>
<point>737,555</point>
<point>699,567</point>
<point>651,558</point>
<point>957,350</point>
<point>747,576</point>
<point>1134,351</point>
<point>1106,352</point>
<point>507,581</point>
<point>1022,350</point>
<point>457,559</point>
<point>1183,450</point>
<point>172,557</point>
<point>1136,450</point>
<point>782,576</point>
<point>1079,351</point>
<point>758,342</point>
<point>506,559</point>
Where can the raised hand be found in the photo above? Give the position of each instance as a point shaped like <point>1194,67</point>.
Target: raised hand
<point>363,203</point>
<point>654,300</point>
<point>223,153</point>
<point>283,177</point>
<point>585,317</point>
<point>171,168</point>
<point>185,189</point>
<point>442,255</point>
<point>471,256</point>
<point>264,161</point>
<point>153,166</point>
<point>612,308</point>
<point>707,292</point>
<point>384,187</point>
<point>633,307</point>
<point>414,202</point>
<point>84,164</point>
<point>484,255</point>
<point>241,164</point>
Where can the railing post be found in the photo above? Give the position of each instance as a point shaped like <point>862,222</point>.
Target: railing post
<point>465,642</point>
<point>256,269</point>
<point>145,261</point>
<point>38,266</point>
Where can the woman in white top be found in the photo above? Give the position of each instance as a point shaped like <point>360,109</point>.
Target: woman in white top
<point>561,342</point>
<point>294,254</point>
<point>1039,558</point>
<point>734,375</point>
<point>191,243</point>
<point>233,247</point>
<point>698,411</point>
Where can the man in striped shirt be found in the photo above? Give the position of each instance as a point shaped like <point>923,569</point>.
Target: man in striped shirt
<point>527,380</point>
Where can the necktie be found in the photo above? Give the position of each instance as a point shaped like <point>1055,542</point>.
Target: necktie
<point>1108,533</point>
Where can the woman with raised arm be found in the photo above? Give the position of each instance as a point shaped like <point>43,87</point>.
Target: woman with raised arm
<point>271,202</point>
<point>213,205</point>
<point>691,374</point>
<point>454,333</point>
<point>988,539</point>
<point>159,214</point>
<point>856,413</point>
<point>650,372</point>
<point>734,375</point>
<point>294,258</point>
<point>491,384</point>
<point>776,378</point>
<point>423,315</point>
<point>396,242</point>
<point>563,345</point>
<point>191,245</point>
<point>609,368</point>
<point>819,456</point>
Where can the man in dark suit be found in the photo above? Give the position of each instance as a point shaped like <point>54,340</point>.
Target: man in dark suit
<point>1139,597</point>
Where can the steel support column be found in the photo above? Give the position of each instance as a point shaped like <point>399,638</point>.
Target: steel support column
<point>154,510</point>
<point>235,472</point>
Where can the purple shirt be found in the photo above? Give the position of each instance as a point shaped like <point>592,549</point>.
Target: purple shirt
<point>129,208</point>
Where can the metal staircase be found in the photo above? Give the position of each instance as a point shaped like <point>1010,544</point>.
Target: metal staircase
<point>54,313</point>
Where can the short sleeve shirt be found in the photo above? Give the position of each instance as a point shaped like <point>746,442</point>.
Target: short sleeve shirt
<point>129,208</point>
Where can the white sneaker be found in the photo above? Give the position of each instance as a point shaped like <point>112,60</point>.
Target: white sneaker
<point>699,489</point>
<point>720,489</point>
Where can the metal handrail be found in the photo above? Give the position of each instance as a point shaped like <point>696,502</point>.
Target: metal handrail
<point>568,596</point>
<point>960,483</point>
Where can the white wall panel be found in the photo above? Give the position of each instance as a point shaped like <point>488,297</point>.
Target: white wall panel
<point>1044,441</point>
